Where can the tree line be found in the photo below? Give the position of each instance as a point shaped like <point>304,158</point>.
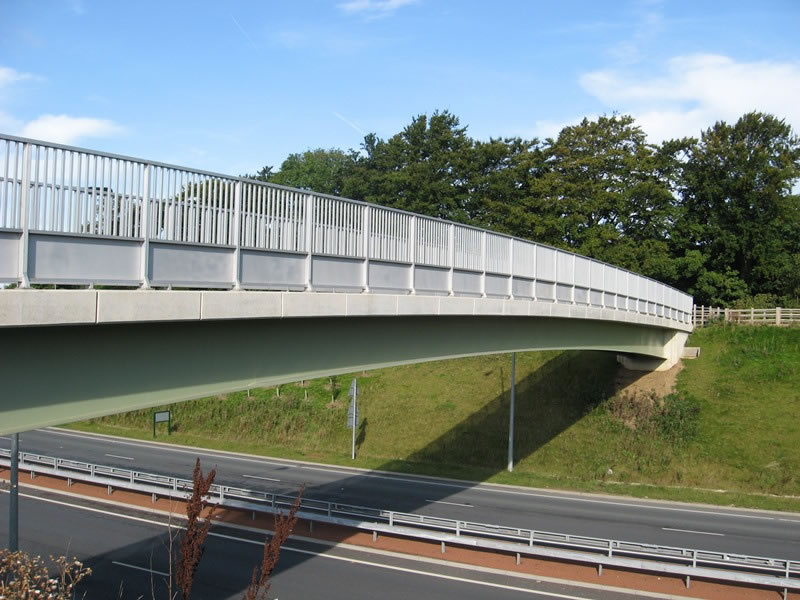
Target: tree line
<point>716,216</point>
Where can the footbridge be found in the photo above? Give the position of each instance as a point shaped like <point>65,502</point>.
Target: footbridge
<point>170,283</point>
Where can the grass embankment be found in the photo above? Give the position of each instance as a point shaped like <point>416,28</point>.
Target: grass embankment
<point>733,425</point>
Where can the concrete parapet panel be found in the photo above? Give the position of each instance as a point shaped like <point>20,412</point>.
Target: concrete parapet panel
<point>241,305</point>
<point>540,309</point>
<point>592,312</point>
<point>47,307</point>
<point>578,312</point>
<point>311,304</point>
<point>418,305</point>
<point>371,305</point>
<point>489,306</point>
<point>560,310</point>
<point>458,306</point>
<point>118,306</point>
<point>518,308</point>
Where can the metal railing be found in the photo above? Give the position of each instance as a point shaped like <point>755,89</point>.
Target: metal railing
<point>703,315</point>
<point>685,562</point>
<point>75,216</point>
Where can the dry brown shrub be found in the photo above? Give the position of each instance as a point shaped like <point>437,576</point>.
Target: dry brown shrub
<point>24,577</point>
<point>284,524</point>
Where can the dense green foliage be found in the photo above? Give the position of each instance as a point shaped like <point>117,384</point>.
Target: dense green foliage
<point>714,216</point>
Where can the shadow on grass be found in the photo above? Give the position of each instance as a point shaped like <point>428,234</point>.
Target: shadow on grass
<point>548,401</point>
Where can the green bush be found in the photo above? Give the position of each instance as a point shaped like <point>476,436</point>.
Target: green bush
<point>678,419</point>
<point>674,418</point>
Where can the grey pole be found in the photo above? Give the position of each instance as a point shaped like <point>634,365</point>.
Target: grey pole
<point>511,413</point>
<point>13,502</point>
<point>355,419</point>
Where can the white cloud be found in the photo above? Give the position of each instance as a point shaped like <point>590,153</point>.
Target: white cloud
<point>9,76</point>
<point>63,129</point>
<point>695,91</point>
<point>374,8</point>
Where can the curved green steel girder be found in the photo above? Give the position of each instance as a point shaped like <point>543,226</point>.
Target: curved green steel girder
<point>54,375</point>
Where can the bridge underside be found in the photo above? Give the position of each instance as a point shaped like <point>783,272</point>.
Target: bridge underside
<point>57,374</point>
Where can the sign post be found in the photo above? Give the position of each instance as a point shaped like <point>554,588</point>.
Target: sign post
<point>352,414</point>
<point>511,413</point>
<point>13,500</point>
<point>163,416</point>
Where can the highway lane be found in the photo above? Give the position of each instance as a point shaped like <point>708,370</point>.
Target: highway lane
<point>696,526</point>
<point>127,551</point>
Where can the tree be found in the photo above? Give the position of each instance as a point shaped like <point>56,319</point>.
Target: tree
<point>501,175</point>
<point>739,212</point>
<point>264,174</point>
<point>323,171</point>
<point>423,169</point>
<point>606,193</point>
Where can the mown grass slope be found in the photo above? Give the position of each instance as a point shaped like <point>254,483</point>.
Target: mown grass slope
<point>732,426</point>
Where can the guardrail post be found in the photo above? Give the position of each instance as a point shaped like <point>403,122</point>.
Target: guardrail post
<point>145,228</point>
<point>451,241</point>
<point>366,226</point>
<point>483,264</point>
<point>309,238</point>
<point>237,231</point>
<point>412,240</point>
<point>777,315</point>
<point>511,270</point>
<point>24,282</point>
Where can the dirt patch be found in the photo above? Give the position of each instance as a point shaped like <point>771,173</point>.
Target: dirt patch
<point>642,382</point>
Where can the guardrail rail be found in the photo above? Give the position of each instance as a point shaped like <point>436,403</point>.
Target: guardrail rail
<point>703,315</point>
<point>685,562</point>
<point>75,216</point>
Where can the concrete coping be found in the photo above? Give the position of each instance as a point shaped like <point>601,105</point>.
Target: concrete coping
<point>23,308</point>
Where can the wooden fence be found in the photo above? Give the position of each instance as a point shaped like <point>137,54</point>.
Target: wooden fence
<point>702,315</point>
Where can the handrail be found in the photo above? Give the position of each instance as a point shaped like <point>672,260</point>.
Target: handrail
<point>54,188</point>
<point>687,562</point>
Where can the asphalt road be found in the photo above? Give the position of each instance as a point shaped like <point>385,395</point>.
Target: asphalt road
<point>127,552</point>
<point>756,533</point>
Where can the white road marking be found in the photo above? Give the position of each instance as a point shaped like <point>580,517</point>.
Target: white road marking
<point>789,520</point>
<point>693,531</point>
<point>311,553</point>
<point>450,503</point>
<point>201,451</point>
<point>5,438</point>
<point>146,570</point>
<point>420,481</point>
<point>118,456</point>
<point>406,569</point>
<point>259,477</point>
<point>351,473</point>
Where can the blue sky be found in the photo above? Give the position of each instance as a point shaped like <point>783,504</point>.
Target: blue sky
<point>232,86</point>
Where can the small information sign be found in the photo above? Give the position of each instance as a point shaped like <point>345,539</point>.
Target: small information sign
<point>163,416</point>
